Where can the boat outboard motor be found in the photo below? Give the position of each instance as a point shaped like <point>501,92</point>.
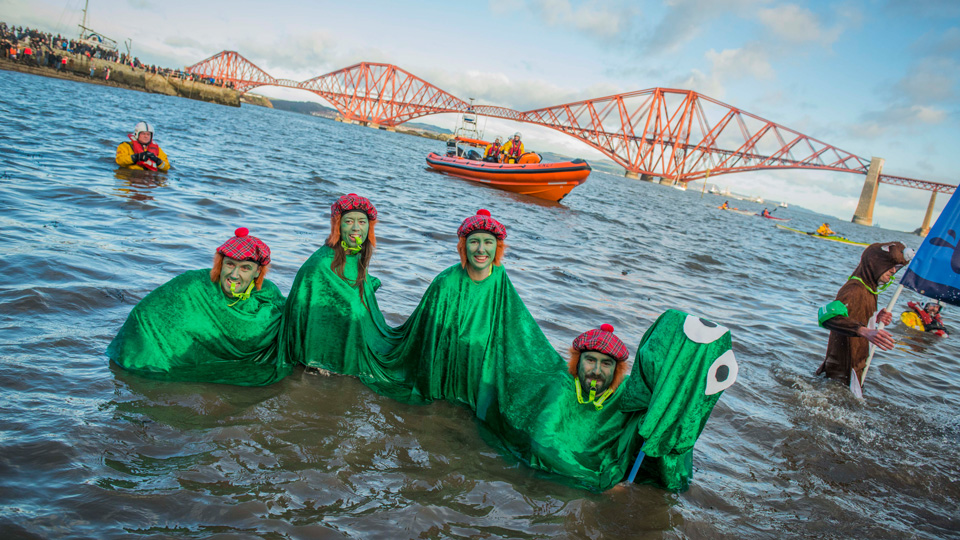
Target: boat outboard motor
<point>451,148</point>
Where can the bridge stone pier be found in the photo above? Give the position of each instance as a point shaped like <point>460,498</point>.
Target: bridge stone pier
<point>925,228</point>
<point>868,197</point>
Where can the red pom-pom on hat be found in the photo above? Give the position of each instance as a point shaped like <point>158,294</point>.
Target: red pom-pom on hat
<point>483,212</point>
<point>241,232</point>
<point>606,327</point>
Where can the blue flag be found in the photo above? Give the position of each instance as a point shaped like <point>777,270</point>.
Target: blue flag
<point>935,270</point>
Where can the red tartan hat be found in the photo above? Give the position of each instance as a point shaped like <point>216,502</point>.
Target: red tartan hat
<point>244,247</point>
<point>482,222</point>
<point>603,341</point>
<point>352,202</point>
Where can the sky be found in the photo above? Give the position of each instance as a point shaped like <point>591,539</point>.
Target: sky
<point>872,77</point>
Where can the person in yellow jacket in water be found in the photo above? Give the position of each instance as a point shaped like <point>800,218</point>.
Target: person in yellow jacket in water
<point>825,230</point>
<point>141,152</point>
<point>512,150</point>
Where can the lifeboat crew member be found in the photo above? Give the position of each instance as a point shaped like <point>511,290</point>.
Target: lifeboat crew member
<point>825,230</point>
<point>849,316</point>
<point>142,152</point>
<point>930,316</point>
<point>512,150</point>
<point>493,152</point>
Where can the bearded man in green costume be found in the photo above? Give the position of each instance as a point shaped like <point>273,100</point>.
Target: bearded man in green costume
<point>589,421</point>
<point>218,325</point>
<point>332,318</point>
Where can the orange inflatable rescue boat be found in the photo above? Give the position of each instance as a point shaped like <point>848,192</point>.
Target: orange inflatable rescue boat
<point>550,181</point>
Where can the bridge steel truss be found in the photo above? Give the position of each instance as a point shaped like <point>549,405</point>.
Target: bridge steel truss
<point>680,135</point>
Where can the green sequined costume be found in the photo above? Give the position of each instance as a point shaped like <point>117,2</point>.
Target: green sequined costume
<point>186,330</point>
<point>475,343</point>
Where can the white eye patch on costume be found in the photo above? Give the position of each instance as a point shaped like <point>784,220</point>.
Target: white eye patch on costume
<point>722,374</point>
<point>701,330</point>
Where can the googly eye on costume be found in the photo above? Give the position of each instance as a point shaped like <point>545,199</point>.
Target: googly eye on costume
<point>722,374</point>
<point>702,330</point>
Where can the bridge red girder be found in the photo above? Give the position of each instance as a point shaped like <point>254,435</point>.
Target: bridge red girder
<point>672,133</point>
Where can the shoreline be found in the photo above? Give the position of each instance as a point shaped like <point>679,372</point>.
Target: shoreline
<point>122,76</point>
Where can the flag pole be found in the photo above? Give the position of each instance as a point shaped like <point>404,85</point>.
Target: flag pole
<point>873,348</point>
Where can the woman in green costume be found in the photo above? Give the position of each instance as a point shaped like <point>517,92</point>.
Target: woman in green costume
<point>332,322</point>
<point>218,325</point>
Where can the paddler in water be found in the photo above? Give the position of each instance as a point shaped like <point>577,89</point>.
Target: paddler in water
<point>929,315</point>
<point>825,230</point>
<point>218,325</point>
<point>492,154</point>
<point>141,151</point>
<point>331,304</point>
<point>850,317</point>
<point>765,213</point>
<point>512,150</point>
<point>725,205</point>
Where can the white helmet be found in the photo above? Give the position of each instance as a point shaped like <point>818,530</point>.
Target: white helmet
<point>141,127</point>
<point>516,135</point>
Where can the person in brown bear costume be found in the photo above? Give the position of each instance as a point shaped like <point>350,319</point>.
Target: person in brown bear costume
<point>849,316</point>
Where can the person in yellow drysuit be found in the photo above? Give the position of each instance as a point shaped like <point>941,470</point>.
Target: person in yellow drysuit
<point>141,152</point>
<point>825,230</point>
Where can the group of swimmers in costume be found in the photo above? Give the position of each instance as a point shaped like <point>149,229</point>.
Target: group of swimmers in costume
<point>470,341</point>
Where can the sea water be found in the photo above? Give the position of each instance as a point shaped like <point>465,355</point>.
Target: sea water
<point>87,451</point>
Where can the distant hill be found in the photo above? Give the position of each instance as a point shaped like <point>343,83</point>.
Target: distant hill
<point>304,107</point>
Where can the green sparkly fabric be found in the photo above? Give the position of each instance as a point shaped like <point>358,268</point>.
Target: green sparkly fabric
<point>327,325</point>
<point>186,330</point>
<point>476,344</point>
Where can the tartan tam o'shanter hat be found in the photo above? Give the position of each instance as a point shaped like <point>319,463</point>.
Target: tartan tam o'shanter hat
<point>482,222</point>
<point>352,202</point>
<point>243,247</point>
<point>603,341</point>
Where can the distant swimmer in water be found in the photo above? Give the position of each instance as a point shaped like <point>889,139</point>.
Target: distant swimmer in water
<point>141,152</point>
<point>850,317</point>
<point>825,230</point>
<point>928,318</point>
<point>217,325</point>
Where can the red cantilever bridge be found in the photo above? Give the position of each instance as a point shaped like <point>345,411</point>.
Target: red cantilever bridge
<point>676,134</point>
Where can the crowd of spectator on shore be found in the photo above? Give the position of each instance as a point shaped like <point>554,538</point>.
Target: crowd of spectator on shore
<point>41,49</point>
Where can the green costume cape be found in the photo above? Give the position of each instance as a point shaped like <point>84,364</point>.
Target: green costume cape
<point>186,330</point>
<point>327,325</point>
<point>476,344</point>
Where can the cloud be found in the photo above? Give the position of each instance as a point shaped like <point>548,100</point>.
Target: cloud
<point>795,24</point>
<point>749,62</point>
<point>495,88</point>
<point>685,18</point>
<point>930,80</point>
<point>604,20</point>
<point>874,124</point>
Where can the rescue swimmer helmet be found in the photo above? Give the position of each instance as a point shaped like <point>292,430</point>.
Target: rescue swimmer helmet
<point>141,127</point>
<point>516,135</point>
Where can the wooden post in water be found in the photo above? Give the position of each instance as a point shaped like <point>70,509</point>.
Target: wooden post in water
<point>868,197</point>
